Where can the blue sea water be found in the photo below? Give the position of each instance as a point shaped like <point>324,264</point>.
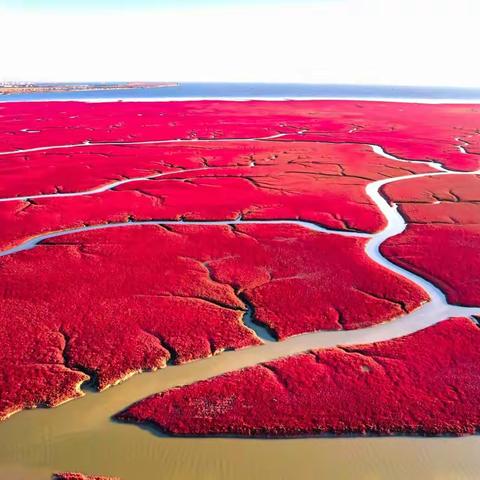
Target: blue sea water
<point>261,91</point>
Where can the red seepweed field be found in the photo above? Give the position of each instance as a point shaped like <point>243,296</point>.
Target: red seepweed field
<point>136,235</point>
<point>397,386</point>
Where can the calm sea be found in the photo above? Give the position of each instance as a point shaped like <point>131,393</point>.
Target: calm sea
<point>261,91</point>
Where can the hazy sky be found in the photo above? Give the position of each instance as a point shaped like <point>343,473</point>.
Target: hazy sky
<point>406,42</point>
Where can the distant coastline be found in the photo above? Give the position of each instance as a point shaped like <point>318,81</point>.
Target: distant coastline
<point>147,91</point>
<point>18,88</point>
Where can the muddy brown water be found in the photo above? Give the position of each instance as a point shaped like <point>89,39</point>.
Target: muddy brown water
<point>80,436</point>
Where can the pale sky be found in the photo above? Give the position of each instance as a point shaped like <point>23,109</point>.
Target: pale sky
<point>392,42</point>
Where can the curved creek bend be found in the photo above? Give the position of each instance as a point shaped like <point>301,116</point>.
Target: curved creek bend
<point>80,435</point>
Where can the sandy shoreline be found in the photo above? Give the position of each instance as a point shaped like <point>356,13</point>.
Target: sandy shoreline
<point>427,101</point>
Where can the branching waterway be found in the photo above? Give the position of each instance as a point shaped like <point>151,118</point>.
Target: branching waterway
<point>81,436</point>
